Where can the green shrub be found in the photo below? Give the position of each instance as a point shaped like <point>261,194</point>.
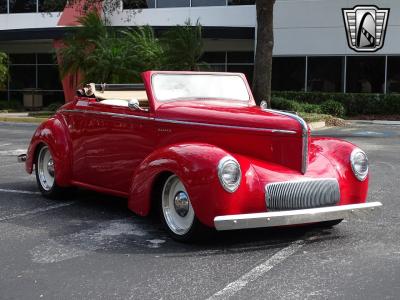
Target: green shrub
<point>54,106</point>
<point>333,108</point>
<point>285,104</point>
<point>310,108</point>
<point>354,104</point>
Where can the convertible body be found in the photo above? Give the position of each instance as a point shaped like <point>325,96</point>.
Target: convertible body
<point>241,166</point>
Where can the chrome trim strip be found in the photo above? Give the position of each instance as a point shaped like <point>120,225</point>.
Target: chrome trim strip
<point>106,114</point>
<point>179,122</point>
<point>304,162</point>
<point>295,217</point>
<point>226,126</point>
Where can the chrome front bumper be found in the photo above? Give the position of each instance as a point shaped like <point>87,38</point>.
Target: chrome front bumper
<point>293,217</point>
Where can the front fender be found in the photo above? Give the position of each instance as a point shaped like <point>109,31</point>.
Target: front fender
<point>53,133</point>
<point>196,165</point>
<point>338,152</point>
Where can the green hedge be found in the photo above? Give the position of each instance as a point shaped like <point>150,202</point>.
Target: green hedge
<point>355,104</point>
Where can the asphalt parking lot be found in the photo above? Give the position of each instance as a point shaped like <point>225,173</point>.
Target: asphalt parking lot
<point>89,246</point>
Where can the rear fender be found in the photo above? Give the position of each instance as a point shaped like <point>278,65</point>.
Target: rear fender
<point>54,134</point>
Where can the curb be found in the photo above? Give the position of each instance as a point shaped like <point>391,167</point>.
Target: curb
<point>377,122</point>
<point>317,125</point>
<point>22,120</point>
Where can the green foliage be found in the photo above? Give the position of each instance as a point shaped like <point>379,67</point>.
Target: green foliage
<point>184,47</point>
<point>3,70</point>
<point>354,103</point>
<point>54,106</point>
<point>290,105</point>
<point>333,108</point>
<point>285,104</point>
<point>103,54</point>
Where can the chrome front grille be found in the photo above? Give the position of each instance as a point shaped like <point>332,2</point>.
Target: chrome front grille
<point>302,194</point>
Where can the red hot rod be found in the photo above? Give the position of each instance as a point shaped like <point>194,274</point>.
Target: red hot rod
<point>196,147</point>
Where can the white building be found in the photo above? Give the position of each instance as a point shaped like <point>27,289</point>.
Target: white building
<point>311,50</point>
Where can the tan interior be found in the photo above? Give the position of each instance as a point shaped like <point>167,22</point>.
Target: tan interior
<point>141,96</point>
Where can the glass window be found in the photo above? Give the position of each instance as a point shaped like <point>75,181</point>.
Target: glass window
<point>3,6</point>
<point>199,87</point>
<point>3,97</point>
<point>26,58</point>
<point>325,74</point>
<point>135,4</point>
<point>241,57</point>
<point>173,3</point>
<point>365,74</point>
<point>52,97</point>
<point>213,57</point>
<point>245,69</point>
<point>208,2</point>
<point>46,58</point>
<point>241,2</point>
<point>51,6</point>
<point>288,73</point>
<point>49,78</point>
<point>22,6</point>
<point>22,77</point>
<point>393,75</point>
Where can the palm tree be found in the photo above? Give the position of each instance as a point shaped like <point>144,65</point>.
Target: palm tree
<point>3,70</point>
<point>80,43</point>
<point>184,47</point>
<point>145,50</point>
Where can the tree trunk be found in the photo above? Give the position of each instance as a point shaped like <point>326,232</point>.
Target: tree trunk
<point>265,45</point>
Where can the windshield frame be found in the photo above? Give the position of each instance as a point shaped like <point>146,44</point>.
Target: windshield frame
<point>249,101</point>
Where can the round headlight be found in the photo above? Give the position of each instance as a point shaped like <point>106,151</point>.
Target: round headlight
<point>359,164</point>
<point>229,173</point>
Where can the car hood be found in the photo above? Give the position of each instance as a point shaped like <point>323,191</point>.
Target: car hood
<point>241,115</point>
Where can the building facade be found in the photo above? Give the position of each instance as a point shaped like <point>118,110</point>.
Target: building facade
<point>311,52</point>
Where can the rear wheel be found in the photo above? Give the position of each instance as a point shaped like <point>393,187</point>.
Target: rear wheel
<point>177,213</point>
<point>45,173</point>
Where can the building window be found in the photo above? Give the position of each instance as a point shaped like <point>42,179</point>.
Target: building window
<point>325,74</point>
<point>34,71</point>
<point>135,4</point>
<point>393,74</point>
<point>365,74</point>
<point>241,2</point>
<point>208,2</point>
<point>22,6</point>
<point>288,73</point>
<point>51,6</point>
<point>3,6</point>
<point>22,77</point>
<point>173,3</point>
<point>49,78</point>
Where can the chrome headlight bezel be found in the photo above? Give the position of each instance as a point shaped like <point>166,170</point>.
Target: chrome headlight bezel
<point>361,176</point>
<point>223,163</point>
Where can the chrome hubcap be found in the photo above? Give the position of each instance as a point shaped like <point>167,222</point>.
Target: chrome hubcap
<point>181,204</point>
<point>45,165</point>
<point>177,210</point>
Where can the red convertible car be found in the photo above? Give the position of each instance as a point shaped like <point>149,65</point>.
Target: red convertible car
<point>195,147</point>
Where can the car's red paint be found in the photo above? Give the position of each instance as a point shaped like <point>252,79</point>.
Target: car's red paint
<point>124,154</point>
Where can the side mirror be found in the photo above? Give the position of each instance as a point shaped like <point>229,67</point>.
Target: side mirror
<point>134,104</point>
<point>264,104</point>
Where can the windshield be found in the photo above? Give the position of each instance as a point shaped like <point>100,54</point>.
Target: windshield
<point>199,86</point>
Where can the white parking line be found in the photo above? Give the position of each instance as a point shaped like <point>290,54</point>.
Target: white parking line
<point>19,192</point>
<point>255,273</point>
<point>35,211</point>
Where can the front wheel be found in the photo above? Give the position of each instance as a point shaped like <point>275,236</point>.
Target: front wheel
<point>45,173</point>
<point>177,213</point>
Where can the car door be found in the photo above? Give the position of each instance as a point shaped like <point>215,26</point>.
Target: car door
<point>116,140</point>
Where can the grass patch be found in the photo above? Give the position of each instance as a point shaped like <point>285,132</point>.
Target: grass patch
<point>313,117</point>
<point>22,119</point>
